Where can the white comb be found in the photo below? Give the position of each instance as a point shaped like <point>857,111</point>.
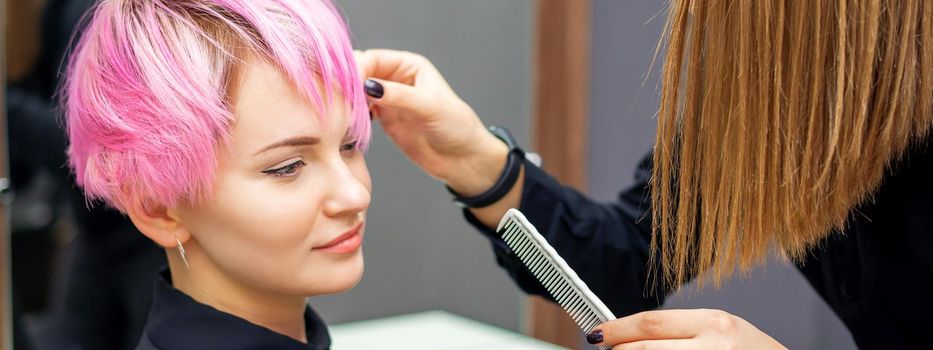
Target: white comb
<point>553,272</point>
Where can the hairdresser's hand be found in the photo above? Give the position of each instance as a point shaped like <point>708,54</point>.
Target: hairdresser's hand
<point>681,329</point>
<point>430,123</point>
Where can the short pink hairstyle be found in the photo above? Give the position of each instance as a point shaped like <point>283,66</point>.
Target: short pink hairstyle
<point>147,90</point>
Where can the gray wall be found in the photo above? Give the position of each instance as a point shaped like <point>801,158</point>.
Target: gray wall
<point>777,299</point>
<point>420,253</point>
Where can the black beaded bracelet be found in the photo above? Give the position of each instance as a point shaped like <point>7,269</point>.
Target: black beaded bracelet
<point>513,167</point>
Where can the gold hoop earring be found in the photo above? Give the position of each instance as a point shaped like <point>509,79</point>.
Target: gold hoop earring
<point>181,250</point>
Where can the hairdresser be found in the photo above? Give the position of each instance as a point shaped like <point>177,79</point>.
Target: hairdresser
<point>769,136</point>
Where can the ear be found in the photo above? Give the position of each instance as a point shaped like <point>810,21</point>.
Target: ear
<point>158,222</point>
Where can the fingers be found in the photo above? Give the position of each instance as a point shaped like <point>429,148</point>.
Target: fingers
<point>398,66</point>
<point>667,344</point>
<point>662,324</point>
<point>362,68</point>
<point>389,94</point>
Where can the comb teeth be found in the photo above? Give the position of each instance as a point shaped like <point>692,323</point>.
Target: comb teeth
<point>552,271</point>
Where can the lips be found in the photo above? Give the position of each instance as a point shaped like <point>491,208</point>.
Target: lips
<point>346,242</point>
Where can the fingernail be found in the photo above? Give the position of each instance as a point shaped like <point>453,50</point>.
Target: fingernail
<point>373,88</point>
<point>594,337</point>
<point>370,115</point>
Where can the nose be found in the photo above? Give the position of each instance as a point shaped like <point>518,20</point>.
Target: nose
<point>349,190</point>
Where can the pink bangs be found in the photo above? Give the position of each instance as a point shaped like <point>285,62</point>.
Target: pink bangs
<point>146,91</point>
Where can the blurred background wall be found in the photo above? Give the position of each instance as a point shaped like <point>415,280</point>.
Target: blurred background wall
<point>421,254</point>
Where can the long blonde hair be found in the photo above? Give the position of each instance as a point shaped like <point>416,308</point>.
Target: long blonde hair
<point>776,119</point>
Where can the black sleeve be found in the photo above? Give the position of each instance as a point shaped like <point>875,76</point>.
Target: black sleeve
<point>608,245</point>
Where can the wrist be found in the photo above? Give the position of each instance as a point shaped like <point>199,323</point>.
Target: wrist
<point>479,171</point>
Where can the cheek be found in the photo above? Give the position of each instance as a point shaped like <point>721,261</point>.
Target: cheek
<point>262,230</point>
<point>359,169</point>
<point>257,221</point>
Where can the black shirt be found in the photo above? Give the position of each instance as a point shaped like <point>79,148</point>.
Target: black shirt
<point>877,275</point>
<point>177,321</point>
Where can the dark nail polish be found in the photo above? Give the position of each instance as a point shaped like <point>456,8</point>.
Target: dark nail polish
<point>373,88</point>
<point>594,337</point>
<point>370,115</point>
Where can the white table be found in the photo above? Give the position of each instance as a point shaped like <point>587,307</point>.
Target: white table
<point>435,330</point>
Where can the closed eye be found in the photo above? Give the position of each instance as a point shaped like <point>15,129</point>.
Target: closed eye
<point>349,147</point>
<point>286,171</point>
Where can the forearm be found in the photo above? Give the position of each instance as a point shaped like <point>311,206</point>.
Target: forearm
<point>479,173</point>
<point>491,214</point>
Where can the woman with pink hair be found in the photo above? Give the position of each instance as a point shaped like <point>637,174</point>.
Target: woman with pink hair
<point>231,133</point>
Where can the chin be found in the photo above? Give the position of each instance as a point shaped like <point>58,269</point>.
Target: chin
<point>336,277</point>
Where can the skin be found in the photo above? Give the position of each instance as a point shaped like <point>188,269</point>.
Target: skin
<point>286,184</point>
<point>445,138</point>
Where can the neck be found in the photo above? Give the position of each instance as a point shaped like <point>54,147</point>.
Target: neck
<point>207,284</point>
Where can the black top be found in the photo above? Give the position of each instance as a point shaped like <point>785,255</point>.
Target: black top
<point>877,275</point>
<point>177,321</point>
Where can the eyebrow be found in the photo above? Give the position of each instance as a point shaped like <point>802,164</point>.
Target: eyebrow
<point>292,142</point>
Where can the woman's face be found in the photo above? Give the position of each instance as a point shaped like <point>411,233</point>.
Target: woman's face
<point>287,210</point>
